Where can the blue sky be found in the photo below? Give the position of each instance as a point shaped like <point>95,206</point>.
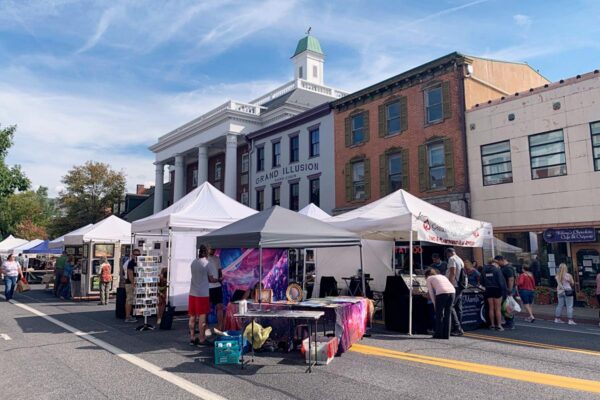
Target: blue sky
<point>101,80</point>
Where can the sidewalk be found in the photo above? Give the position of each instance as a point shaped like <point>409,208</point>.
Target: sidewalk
<point>581,315</point>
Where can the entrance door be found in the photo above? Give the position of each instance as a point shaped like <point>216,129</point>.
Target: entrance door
<point>587,258</point>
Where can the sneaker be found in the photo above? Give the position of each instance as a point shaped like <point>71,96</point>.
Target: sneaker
<point>457,333</point>
<point>131,320</point>
<point>500,328</point>
<point>558,321</point>
<point>571,322</point>
<point>529,319</point>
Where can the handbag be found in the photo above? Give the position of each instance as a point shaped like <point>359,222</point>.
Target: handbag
<point>22,285</point>
<point>569,292</point>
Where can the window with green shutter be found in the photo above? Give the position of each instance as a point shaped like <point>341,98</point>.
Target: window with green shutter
<point>449,163</point>
<point>438,103</point>
<point>393,117</point>
<point>393,170</point>
<point>446,100</point>
<point>357,128</point>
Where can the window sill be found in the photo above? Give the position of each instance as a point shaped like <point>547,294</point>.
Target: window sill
<point>352,146</point>
<point>393,134</point>
<point>316,156</point>
<point>433,190</point>
<point>428,124</point>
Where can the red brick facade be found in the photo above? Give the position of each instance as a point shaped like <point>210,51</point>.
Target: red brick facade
<point>414,134</point>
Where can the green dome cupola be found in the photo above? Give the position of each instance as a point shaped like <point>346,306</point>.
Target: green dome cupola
<point>308,43</point>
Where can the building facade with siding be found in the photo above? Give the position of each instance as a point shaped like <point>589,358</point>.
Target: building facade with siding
<point>534,162</point>
<point>409,131</point>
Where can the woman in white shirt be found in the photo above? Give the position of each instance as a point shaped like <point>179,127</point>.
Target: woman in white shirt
<point>12,272</point>
<point>565,290</point>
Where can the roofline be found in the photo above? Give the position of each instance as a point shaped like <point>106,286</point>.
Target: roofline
<point>540,89</point>
<point>404,75</point>
<point>315,112</point>
<point>523,63</point>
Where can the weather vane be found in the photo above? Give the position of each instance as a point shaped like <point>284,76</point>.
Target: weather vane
<point>308,31</point>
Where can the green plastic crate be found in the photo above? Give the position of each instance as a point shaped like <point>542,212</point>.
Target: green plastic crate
<point>228,350</point>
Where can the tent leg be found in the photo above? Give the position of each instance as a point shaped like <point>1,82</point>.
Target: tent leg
<point>170,242</point>
<point>362,272</point>
<point>410,280</point>
<point>260,275</point>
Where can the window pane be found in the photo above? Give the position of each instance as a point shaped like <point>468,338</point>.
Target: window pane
<point>596,140</point>
<point>495,158</point>
<point>546,172</point>
<point>548,160</point>
<point>357,121</point>
<point>547,149</point>
<point>358,171</point>
<point>497,179</point>
<point>437,176</point>
<point>315,192</point>
<point>434,96</point>
<point>545,138</point>
<point>433,104</point>
<point>596,152</point>
<point>393,117</point>
<point>395,182</point>
<point>436,154</point>
<point>434,113</point>
<point>357,136</point>
<point>497,168</point>
<point>495,148</point>
<point>597,164</point>
<point>595,128</point>
<point>359,191</point>
<point>394,164</point>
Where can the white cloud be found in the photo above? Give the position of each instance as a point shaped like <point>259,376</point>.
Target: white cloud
<point>522,20</point>
<point>108,16</point>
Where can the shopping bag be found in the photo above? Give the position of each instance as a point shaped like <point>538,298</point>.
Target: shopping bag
<point>22,285</point>
<point>510,307</point>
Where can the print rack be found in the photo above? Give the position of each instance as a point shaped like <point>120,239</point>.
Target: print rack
<point>146,288</point>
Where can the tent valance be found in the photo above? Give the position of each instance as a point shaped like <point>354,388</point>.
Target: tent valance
<point>110,229</point>
<point>42,248</point>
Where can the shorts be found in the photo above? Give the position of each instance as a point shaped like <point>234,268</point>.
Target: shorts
<point>216,295</point>
<point>198,306</point>
<point>493,293</point>
<point>526,296</point>
<point>130,296</point>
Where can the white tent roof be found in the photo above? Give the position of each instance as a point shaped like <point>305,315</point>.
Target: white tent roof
<point>203,209</point>
<point>27,246</point>
<point>60,241</point>
<point>111,229</point>
<point>10,243</point>
<point>315,212</point>
<point>394,216</point>
<point>502,247</point>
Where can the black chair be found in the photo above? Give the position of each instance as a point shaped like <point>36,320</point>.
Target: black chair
<point>328,287</point>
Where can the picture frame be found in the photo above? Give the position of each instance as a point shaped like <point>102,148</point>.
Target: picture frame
<point>263,295</point>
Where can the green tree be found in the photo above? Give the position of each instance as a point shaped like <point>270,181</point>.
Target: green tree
<point>27,209</point>
<point>91,190</point>
<point>11,178</point>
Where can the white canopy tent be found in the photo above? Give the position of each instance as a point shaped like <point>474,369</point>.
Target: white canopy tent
<point>203,210</point>
<point>27,246</point>
<point>110,230</point>
<point>402,216</point>
<point>8,244</point>
<point>341,263</point>
<point>59,242</point>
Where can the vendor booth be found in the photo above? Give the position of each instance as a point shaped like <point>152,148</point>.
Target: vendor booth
<point>279,228</point>
<point>42,248</point>
<point>8,244</point>
<point>400,216</point>
<point>89,246</point>
<point>173,232</point>
<point>59,242</point>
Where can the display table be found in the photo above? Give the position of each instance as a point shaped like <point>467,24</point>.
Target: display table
<point>346,316</point>
<point>308,316</point>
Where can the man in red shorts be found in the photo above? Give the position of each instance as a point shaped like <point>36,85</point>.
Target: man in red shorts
<point>203,273</point>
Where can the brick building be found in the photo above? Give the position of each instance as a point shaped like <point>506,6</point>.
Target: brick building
<point>409,131</point>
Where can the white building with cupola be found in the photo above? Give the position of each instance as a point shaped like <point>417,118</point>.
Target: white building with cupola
<point>213,146</point>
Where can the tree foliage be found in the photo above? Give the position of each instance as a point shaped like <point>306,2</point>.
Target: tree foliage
<point>11,178</point>
<point>91,190</point>
<point>31,206</point>
<point>29,231</point>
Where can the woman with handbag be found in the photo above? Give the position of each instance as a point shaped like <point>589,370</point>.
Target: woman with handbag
<point>566,294</point>
<point>105,281</point>
<point>11,269</point>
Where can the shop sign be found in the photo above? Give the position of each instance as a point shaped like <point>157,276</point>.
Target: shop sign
<point>570,235</point>
<point>287,172</point>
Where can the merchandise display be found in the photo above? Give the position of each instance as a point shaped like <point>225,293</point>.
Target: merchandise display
<point>146,288</point>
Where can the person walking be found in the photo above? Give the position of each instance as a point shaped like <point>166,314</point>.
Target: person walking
<point>565,288</point>
<point>64,290</point>
<point>105,281</point>
<point>495,290</point>
<point>59,268</point>
<point>203,273</point>
<point>12,272</point>
<point>441,292</point>
<point>526,286</point>
<point>457,276</point>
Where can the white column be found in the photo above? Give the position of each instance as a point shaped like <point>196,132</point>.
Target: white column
<point>158,187</point>
<point>178,190</point>
<point>231,166</point>
<point>202,164</point>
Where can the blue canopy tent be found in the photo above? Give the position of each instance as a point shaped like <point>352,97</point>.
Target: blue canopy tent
<point>43,248</point>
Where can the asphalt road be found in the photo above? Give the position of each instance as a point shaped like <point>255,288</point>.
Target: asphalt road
<point>43,360</point>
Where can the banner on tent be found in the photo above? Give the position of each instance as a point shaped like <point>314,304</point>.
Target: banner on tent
<point>453,233</point>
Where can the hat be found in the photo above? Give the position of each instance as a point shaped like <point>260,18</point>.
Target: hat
<point>499,257</point>
<point>450,250</point>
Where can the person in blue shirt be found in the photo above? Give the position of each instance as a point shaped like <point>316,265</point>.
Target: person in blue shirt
<point>473,276</point>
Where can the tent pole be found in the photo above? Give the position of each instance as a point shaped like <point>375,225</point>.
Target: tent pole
<point>410,280</point>
<point>362,272</point>
<point>394,258</point>
<point>304,272</point>
<point>260,273</point>
<point>421,254</point>
<point>170,243</point>
<point>493,249</point>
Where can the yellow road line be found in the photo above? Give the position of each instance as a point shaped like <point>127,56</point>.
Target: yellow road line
<point>483,369</point>
<point>533,344</point>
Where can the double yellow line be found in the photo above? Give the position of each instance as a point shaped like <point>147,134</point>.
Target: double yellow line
<point>483,369</point>
<point>533,344</point>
